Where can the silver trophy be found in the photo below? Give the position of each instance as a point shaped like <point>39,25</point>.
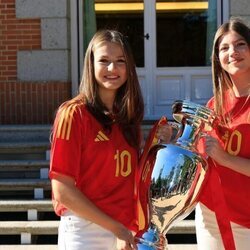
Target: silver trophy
<point>172,175</point>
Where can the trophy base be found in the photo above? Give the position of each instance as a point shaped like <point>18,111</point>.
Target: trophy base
<point>152,240</point>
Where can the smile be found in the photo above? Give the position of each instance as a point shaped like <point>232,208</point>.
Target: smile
<point>235,61</point>
<point>111,77</point>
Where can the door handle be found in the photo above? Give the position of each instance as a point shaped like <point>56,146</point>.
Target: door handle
<point>147,36</point>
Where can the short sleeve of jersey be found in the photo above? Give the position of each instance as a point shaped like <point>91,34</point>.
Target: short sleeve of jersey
<point>67,141</point>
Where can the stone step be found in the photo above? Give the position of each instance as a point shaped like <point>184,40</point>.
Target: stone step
<point>25,205</point>
<point>182,247</point>
<point>39,132</point>
<point>37,186</point>
<point>18,133</point>
<point>32,207</point>
<point>23,147</point>
<point>46,206</point>
<point>35,209</point>
<point>23,164</point>
<point>54,247</point>
<point>24,150</point>
<point>24,184</point>
<point>28,228</point>
<point>183,227</point>
<point>24,169</point>
<point>30,247</point>
<point>50,227</point>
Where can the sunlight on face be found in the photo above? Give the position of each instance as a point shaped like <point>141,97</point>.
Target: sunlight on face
<point>110,67</point>
<point>234,53</point>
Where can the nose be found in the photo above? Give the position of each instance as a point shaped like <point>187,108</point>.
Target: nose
<point>233,50</point>
<point>111,66</point>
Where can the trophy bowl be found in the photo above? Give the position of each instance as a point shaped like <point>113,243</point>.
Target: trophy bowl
<point>172,175</point>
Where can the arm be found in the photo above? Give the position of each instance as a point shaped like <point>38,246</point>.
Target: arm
<point>216,152</point>
<point>66,193</point>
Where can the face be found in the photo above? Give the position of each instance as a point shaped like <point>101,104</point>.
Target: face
<point>234,54</point>
<point>110,67</point>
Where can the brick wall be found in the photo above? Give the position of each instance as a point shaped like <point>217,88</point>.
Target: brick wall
<point>31,102</point>
<point>24,102</point>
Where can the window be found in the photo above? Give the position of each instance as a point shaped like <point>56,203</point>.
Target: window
<point>185,31</point>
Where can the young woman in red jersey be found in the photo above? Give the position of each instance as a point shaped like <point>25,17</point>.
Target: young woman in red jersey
<point>223,214</point>
<point>95,150</point>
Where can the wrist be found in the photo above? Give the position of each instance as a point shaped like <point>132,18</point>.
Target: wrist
<point>115,227</point>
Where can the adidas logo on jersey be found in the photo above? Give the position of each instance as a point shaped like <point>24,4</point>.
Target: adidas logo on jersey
<point>101,137</point>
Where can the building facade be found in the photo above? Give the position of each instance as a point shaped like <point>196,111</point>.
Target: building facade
<point>42,44</point>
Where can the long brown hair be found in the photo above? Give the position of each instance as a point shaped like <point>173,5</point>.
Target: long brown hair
<point>128,103</point>
<point>221,79</point>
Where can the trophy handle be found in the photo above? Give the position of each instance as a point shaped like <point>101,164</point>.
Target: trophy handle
<point>152,140</point>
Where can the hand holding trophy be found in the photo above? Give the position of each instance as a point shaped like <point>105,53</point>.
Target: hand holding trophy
<point>171,175</point>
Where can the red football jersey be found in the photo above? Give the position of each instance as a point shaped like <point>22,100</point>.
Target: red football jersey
<point>235,140</point>
<point>103,164</point>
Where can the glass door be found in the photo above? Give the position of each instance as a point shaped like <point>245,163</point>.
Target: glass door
<point>184,36</point>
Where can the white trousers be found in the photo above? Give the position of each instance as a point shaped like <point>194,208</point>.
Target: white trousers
<point>75,233</point>
<point>208,234</point>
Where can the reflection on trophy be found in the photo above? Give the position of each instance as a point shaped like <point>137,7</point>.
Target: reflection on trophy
<point>171,175</point>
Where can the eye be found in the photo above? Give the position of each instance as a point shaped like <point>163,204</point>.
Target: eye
<point>103,61</point>
<point>241,43</point>
<point>223,48</point>
<point>121,62</point>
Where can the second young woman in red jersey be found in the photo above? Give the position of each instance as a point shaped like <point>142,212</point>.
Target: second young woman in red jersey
<point>223,215</point>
